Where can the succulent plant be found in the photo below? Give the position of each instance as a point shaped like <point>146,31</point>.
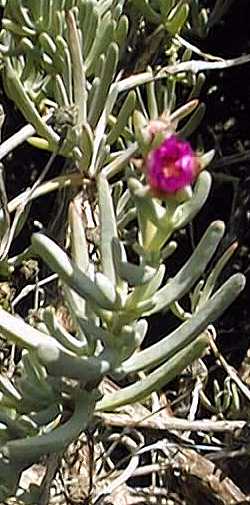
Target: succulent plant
<point>175,15</point>
<point>65,57</point>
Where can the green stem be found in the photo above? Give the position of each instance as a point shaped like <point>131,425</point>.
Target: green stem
<point>29,450</point>
<point>188,331</point>
<point>156,380</point>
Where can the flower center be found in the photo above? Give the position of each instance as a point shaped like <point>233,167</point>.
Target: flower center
<point>171,170</point>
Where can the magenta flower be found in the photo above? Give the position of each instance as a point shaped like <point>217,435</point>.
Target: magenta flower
<point>171,166</point>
